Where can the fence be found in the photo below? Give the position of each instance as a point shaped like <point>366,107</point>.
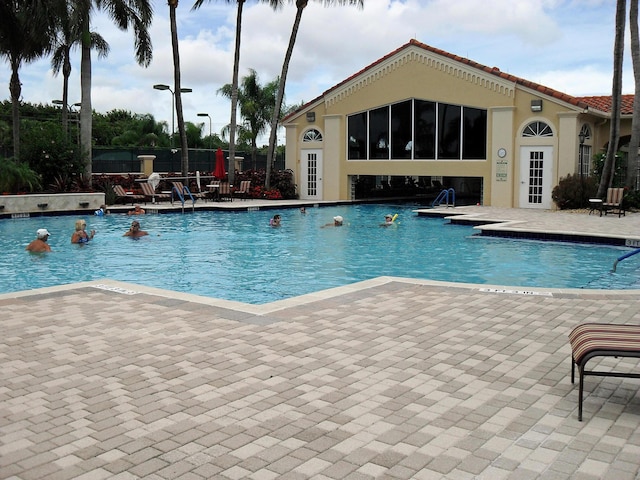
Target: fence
<point>125,160</point>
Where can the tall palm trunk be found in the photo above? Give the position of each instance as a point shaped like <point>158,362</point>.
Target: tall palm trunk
<point>86,118</point>
<point>275,118</point>
<point>66,73</point>
<point>616,100</point>
<point>234,95</point>
<point>184,147</point>
<point>15,89</point>
<point>634,143</point>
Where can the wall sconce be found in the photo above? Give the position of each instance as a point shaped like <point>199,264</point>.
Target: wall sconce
<point>581,137</point>
<point>536,105</point>
<point>311,116</point>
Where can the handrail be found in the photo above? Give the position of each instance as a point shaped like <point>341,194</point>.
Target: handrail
<point>182,198</point>
<point>444,195</point>
<point>626,255</point>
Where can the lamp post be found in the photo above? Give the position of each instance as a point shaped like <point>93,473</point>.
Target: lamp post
<point>210,138</point>
<point>581,139</point>
<point>66,108</point>
<point>161,86</point>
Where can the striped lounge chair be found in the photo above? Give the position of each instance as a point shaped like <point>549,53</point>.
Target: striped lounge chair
<point>591,340</point>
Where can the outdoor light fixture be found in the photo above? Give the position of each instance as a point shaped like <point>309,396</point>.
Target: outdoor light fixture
<point>311,116</point>
<point>162,86</point>
<point>581,137</point>
<point>210,137</point>
<point>536,105</point>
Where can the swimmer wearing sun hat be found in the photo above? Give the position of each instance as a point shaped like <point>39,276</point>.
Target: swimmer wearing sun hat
<point>337,222</point>
<point>40,243</point>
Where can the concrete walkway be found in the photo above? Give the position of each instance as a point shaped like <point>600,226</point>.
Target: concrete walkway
<point>390,378</point>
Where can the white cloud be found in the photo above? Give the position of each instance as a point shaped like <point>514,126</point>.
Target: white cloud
<point>563,44</point>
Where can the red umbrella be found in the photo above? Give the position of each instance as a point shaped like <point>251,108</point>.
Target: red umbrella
<point>219,171</point>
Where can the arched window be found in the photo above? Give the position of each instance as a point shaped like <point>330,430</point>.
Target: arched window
<point>537,129</point>
<point>585,132</point>
<point>312,135</point>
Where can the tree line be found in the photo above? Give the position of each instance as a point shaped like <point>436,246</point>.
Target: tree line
<point>32,29</point>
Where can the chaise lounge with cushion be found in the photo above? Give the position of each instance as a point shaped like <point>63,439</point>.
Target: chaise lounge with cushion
<point>592,340</point>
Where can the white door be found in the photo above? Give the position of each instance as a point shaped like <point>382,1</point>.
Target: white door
<point>536,164</point>
<point>311,172</point>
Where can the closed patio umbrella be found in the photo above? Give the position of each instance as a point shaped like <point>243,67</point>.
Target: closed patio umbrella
<point>220,171</point>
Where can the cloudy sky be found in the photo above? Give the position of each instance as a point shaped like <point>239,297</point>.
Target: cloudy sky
<point>566,45</point>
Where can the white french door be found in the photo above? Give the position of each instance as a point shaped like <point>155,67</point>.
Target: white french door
<point>536,164</point>
<point>311,173</point>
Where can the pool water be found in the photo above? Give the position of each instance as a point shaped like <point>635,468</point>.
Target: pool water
<point>238,256</point>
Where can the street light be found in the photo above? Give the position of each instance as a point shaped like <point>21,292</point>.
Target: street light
<point>161,86</point>
<point>210,138</point>
<point>68,108</point>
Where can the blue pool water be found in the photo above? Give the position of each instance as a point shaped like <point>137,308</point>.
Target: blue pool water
<point>238,256</point>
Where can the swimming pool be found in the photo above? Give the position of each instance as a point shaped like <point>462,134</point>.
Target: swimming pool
<point>238,256</point>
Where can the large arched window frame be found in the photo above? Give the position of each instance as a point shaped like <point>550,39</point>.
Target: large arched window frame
<point>312,135</point>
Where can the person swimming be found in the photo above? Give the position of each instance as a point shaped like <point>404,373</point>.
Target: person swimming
<point>80,235</point>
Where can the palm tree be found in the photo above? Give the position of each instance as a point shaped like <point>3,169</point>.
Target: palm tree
<point>26,29</point>
<point>234,81</point>
<point>275,118</point>
<point>177,91</point>
<point>634,143</point>
<point>67,37</point>
<point>124,13</point>
<point>616,100</point>
<point>256,104</point>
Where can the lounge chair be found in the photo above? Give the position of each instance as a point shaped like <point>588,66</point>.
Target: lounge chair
<point>243,191</point>
<point>123,196</point>
<point>591,340</point>
<point>225,191</point>
<point>151,195</point>
<point>613,202</point>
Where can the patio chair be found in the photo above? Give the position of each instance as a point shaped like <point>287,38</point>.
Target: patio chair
<point>225,191</point>
<point>151,195</point>
<point>123,196</point>
<point>243,191</point>
<point>613,202</point>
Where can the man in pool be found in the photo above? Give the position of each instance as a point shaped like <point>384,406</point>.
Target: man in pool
<point>137,210</point>
<point>40,243</point>
<point>134,231</point>
<point>337,222</point>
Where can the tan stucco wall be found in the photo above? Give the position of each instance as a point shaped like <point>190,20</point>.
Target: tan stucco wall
<point>414,74</point>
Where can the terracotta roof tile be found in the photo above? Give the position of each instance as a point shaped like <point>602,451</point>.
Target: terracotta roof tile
<point>601,103</point>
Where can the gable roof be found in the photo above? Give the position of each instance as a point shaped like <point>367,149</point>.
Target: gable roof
<point>600,103</point>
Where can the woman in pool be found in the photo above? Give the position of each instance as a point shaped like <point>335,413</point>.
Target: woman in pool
<point>275,221</point>
<point>134,230</point>
<point>80,235</point>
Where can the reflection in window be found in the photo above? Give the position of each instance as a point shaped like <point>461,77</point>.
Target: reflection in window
<point>379,133</point>
<point>425,130</point>
<point>448,131</point>
<point>357,130</point>
<point>312,135</point>
<point>474,145</point>
<point>418,129</point>
<point>401,130</point>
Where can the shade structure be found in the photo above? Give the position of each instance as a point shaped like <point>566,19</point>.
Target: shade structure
<point>219,171</point>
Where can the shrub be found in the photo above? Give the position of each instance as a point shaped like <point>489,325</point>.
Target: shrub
<point>17,176</point>
<point>574,191</point>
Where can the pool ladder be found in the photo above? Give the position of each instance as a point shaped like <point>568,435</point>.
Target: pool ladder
<point>182,196</point>
<point>446,196</point>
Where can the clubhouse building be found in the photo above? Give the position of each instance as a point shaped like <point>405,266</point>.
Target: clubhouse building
<point>428,119</point>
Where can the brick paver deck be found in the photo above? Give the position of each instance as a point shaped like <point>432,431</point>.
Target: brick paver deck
<point>390,378</point>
